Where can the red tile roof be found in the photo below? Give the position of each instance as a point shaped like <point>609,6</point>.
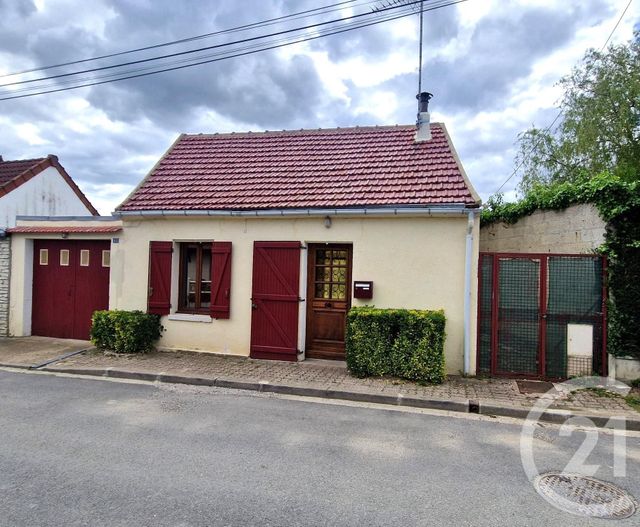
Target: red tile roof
<point>15,173</point>
<point>11,169</point>
<point>344,167</point>
<point>62,230</point>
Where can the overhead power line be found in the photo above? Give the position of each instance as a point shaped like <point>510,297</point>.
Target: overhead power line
<point>357,21</point>
<point>535,145</point>
<point>293,16</point>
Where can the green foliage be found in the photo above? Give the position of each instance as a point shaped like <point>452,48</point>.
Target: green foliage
<point>600,130</point>
<point>125,331</point>
<point>618,203</point>
<point>399,342</point>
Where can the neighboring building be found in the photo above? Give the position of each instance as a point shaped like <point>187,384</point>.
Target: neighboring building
<point>33,187</point>
<point>542,297</point>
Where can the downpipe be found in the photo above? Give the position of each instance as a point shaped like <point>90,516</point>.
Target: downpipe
<point>467,294</point>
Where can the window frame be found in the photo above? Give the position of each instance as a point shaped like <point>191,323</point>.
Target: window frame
<point>182,276</point>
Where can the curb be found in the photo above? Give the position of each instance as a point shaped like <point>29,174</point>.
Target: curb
<point>556,416</point>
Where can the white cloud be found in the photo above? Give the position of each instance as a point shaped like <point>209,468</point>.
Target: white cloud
<point>108,138</point>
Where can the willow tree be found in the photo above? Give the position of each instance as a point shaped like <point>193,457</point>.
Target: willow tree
<point>600,125</point>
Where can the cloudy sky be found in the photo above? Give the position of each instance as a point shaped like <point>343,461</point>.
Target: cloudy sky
<point>492,65</point>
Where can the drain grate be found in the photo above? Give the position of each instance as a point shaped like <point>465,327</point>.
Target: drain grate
<point>585,496</point>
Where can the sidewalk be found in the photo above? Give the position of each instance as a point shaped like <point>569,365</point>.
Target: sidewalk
<point>331,379</point>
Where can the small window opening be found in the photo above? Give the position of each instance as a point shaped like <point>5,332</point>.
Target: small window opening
<point>64,257</point>
<point>84,258</point>
<point>44,256</point>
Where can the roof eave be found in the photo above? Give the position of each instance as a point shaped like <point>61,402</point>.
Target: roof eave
<point>390,210</point>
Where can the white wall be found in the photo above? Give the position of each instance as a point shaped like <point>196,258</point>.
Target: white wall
<point>46,194</point>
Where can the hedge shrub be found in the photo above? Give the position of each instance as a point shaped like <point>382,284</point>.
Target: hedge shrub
<point>399,342</point>
<point>125,331</point>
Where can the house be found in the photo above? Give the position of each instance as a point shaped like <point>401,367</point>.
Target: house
<point>257,244</point>
<point>542,296</point>
<point>33,187</point>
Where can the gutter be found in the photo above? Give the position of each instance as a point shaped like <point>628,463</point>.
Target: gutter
<point>467,293</point>
<point>442,210</point>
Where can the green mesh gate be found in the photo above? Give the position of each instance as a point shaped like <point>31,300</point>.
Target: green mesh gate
<point>531,310</point>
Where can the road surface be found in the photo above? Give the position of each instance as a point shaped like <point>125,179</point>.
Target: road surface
<point>78,451</point>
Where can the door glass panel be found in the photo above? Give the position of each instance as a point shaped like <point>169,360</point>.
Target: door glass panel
<point>64,257</point>
<point>338,292</point>
<point>84,258</point>
<point>323,291</point>
<point>323,257</point>
<point>339,257</point>
<point>339,274</point>
<point>323,274</point>
<point>44,256</point>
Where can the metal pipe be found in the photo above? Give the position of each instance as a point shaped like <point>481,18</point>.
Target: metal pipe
<point>467,294</point>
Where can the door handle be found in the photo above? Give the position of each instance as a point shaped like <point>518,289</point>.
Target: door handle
<point>327,304</point>
<point>254,306</point>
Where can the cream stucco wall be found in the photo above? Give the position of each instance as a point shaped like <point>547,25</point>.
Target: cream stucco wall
<point>577,229</point>
<point>414,262</point>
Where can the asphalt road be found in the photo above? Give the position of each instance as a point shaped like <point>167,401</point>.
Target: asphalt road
<point>91,452</point>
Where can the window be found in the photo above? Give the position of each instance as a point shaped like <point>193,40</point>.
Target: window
<point>44,256</point>
<point>84,258</point>
<point>106,258</point>
<point>331,274</point>
<point>195,277</point>
<point>64,257</point>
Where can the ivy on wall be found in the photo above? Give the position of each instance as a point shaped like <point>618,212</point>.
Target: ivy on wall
<point>618,203</point>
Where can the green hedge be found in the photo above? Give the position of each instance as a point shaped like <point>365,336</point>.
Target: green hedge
<point>125,331</point>
<point>399,342</point>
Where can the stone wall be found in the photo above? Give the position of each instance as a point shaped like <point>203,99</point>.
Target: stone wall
<point>577,229</point>
<point>4,286</point>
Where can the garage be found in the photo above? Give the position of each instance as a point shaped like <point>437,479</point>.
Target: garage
<point>70,282</point>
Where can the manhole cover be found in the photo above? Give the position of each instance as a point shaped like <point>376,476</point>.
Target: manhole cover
<point>585,496</point>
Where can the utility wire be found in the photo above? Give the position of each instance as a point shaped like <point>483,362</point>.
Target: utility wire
<point>253,25</point>
<point>522,162</point>
<point>206,48</point>
<point>233,55</point>
<point>224,54</point>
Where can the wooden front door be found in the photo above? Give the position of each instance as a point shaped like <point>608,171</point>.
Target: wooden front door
<point>329,299</point>
<point>275,300</point>
<point>70,282</point>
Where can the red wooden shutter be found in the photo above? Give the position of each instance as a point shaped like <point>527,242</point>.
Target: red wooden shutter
<point>220,279</point>
<point>160,277</point>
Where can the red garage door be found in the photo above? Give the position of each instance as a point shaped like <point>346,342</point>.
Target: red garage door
<point>70,282</point>
<point>276,282</point>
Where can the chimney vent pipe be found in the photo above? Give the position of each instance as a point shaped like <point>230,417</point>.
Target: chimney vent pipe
<point>423,101</point>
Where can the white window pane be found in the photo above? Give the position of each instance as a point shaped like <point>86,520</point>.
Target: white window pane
<point>84,258</point>
<point>44,256</point>
<point>64,257</point>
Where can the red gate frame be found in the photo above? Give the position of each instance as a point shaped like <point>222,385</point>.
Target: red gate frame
<point>544,261</point>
